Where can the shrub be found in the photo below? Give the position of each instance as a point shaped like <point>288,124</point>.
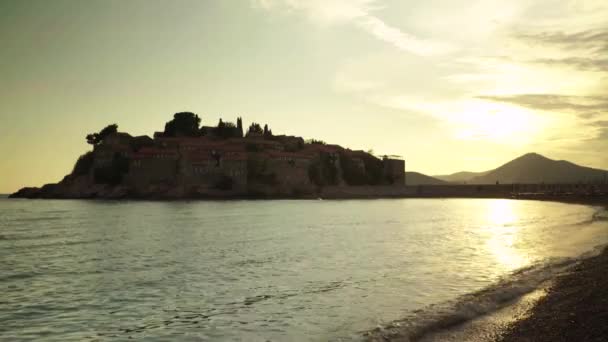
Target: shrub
<point>183,124</point>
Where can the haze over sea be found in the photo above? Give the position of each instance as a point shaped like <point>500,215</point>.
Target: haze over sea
<point>262,270</point>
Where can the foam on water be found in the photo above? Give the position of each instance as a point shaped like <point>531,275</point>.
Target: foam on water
<point>451,314</point>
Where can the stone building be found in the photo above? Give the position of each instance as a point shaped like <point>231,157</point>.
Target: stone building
<point>112,146</point>
<point>152,165</point>
<point>291,169</point>
<point>209,169</point>
<point>394,169</point>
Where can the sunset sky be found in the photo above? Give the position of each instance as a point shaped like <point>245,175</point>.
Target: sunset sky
<point>448,85</point>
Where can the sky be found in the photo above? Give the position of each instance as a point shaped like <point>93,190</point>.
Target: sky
<point>448,85</point>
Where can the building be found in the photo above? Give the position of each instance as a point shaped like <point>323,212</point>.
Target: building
<point>394,170</point>
<point>152,165</point>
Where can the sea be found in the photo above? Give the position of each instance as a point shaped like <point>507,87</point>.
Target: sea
<point>272,270</point>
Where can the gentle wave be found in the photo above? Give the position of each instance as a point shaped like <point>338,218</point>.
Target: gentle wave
<point>52,244</point>
<point>447,315</point>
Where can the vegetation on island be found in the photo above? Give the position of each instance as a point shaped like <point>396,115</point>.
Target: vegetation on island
<point>96,138</point>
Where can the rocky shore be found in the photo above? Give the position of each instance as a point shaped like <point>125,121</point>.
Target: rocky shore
<point>575,308</point>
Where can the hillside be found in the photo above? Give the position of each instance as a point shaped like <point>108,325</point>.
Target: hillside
<point>535,168</point>
<point>416,178</point>
<point>460,177</point>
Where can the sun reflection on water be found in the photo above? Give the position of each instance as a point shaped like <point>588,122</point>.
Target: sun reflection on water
<point>503,232</point>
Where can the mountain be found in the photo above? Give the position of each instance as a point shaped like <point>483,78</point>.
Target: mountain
<point>535,168</point>
<point>460,177</point>
<point>416,178</point>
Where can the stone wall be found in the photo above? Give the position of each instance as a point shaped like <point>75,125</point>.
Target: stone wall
<point>151,170</point>
<point>394,169</point>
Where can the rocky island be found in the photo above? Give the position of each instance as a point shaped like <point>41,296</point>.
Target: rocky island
<point>223,161</point>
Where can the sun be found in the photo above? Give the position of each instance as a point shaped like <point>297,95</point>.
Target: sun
<point>496,122</point>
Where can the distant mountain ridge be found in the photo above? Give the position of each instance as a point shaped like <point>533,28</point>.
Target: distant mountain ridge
<point>416,178</point>
<point>531,168</point>
<point>460,177</point>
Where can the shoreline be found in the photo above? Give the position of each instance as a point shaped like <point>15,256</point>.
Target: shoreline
<point>570,305</point>
<point>570,193</point>
<point>574,309</point>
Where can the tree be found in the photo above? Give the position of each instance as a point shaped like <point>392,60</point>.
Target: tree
<point>227,130</point>
<point>255,128</point>
<point>96,138</point>
<point>239,126</point>
<point>267,132</point>
<point>315,142</point>
<point>183,124</point>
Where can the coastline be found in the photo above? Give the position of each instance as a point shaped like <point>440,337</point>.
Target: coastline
<point>574,309</point>
<point>570,304</point>
<point>567,193</point>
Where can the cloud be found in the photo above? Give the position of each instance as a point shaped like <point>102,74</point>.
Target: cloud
<point>601,123</point>
<point>584,106</point>
<point>584,50</point>
<point>324,12</point>
<point>359,13</point>
<point>399,39</point>
<point>595,41</point>
<point>587,64</point>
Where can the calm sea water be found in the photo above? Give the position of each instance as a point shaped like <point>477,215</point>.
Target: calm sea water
<point>261,270</point>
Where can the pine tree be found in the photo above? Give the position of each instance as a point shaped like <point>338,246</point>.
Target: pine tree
<point>239,125</point>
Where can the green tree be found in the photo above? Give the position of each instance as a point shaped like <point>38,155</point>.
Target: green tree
<point>315,142</point>
<point>255,128</point>
<point>96,138</point>
<point>183,124</point>
<point>267,131</point>
<point>239,126</point>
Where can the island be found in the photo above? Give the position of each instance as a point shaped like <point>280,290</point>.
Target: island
<point>187,160</point>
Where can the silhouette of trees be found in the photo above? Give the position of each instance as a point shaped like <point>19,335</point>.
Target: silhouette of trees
<point>255,129</point>
<point>267,132</point>
<point>228,130</point>
<point>142,141</point>
<point>239,126</point>
<point>315,142</point>
<point>96,138</point>
<point>183,124</point>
